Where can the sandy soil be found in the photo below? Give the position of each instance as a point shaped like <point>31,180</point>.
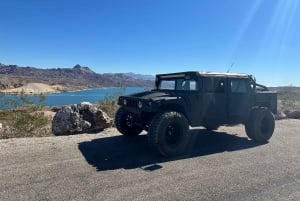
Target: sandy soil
<point>36,88</point>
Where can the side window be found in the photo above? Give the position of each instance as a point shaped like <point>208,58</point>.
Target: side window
<point>167,84</point>
<point>214,85</point>
<point>186,85</point>
<point>193,85</point>
<point>238,86</point>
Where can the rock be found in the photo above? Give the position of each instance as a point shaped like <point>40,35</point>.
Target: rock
<point>80,118</point>
<point>280,115</point>
<point>293,114</point>
<point>102,120</point>
<point>65,121</point>
<point>84,106</point>
<point>55,109</point>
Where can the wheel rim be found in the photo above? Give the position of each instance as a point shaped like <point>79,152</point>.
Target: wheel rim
<point>129,120</point>
<point>172,135</point>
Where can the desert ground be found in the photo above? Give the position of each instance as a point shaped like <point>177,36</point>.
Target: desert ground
<point>222,165</point>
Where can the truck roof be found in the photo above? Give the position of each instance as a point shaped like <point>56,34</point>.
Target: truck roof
<point>223,74</point>
<point>203,73</point>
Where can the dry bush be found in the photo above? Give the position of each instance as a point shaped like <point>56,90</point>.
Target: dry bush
<point>109,105</point>
<point>289,101</point>
<point>21,118</point>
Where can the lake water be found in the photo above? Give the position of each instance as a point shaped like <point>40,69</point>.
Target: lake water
<point>90,95</point>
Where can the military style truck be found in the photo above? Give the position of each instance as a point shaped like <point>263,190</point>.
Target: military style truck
<point>207,99</point>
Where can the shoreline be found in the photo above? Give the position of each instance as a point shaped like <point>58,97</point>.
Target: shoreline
<point>30,93</point>
<point>92,95</point>
<point>4,92</point>
<point>36,92</point>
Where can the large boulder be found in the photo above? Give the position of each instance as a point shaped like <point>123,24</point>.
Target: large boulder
<point>80,118</point>
<point>293,114</point>
<point>287,114</point>
<point>280,115</point>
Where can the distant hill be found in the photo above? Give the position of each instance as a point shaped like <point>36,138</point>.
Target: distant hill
<point>141,76</point>
<point>78,77</point>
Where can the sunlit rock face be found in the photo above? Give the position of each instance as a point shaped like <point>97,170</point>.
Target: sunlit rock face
<point>80,118</point>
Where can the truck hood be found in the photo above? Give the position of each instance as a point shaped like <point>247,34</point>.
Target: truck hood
<point>155,95</point>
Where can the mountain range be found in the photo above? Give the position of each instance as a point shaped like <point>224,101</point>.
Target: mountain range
<point>78,77</point>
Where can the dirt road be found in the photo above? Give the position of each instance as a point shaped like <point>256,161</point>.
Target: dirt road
<point>222,165</point>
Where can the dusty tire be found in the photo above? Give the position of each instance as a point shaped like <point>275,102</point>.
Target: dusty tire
<point>169,133</point>
<point>261,125</point>
<point>124,122</point>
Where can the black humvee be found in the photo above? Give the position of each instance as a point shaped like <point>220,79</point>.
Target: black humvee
<point>207,99</point>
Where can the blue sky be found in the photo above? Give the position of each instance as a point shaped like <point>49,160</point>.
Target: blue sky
<point>261,37</point>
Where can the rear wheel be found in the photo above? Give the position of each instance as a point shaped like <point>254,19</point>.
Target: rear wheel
<point>168,133</point>
<point>261,125</point>
<point>126,123</point>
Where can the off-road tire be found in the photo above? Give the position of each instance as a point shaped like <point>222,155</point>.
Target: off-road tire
<point>169,133</point>
<point>124,122</point>
<point>261,125</point>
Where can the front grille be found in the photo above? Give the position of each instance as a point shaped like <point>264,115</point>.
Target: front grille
<point>132,103</point>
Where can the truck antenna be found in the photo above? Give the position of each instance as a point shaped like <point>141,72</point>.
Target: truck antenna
<point>229,69</point>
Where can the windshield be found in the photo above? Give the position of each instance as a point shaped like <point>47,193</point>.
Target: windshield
<point>178,84</point>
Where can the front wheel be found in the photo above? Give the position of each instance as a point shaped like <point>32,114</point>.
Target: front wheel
<point>261,125</point>
<point>126,123</point>
<point>169,133</point>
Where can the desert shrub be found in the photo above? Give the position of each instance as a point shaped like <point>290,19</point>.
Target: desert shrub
<point>23,117</point>
<point>110,103</point>
<point>289,100</point>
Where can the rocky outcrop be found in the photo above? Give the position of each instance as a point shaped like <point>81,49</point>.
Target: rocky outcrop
<point>78,77</point>
<point>280,115</point>
<point>293,114</point>
<point>288,115</point>
<point>80,118</point>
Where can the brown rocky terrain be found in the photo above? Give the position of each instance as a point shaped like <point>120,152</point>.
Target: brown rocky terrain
<point>76,78</point>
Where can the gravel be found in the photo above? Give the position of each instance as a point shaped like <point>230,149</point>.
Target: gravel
<point>222,165</point>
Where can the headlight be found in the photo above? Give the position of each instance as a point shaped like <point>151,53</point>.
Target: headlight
<point>125,102</point>
<point>140,104</point>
